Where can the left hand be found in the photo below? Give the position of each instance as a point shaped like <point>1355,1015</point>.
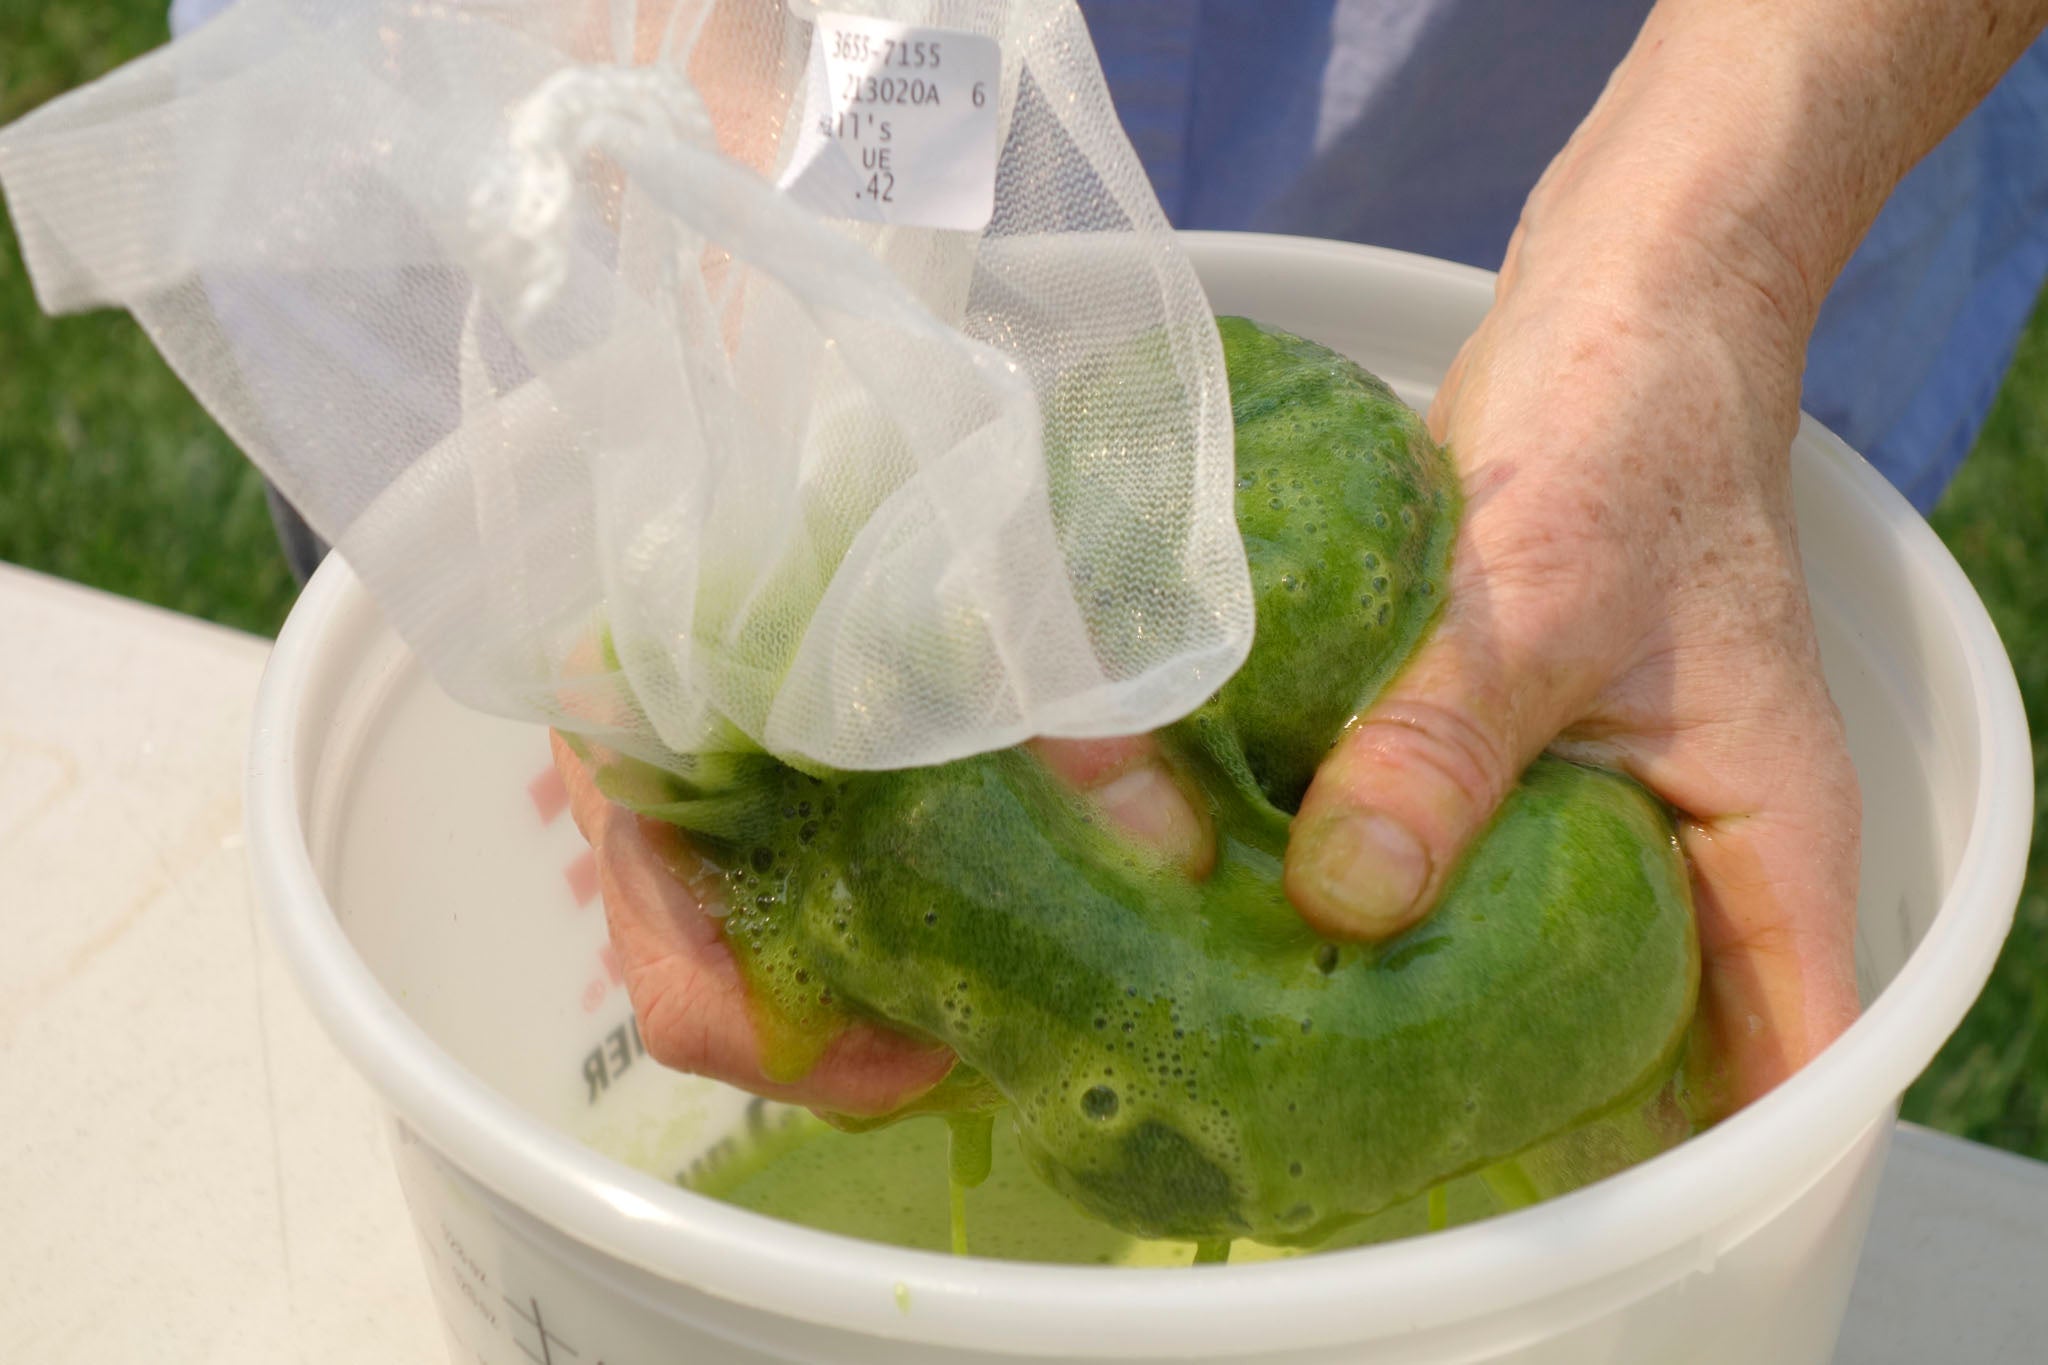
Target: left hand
<point>661,904</point>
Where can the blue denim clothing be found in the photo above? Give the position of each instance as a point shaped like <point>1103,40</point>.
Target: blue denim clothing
<point>1423,124</point>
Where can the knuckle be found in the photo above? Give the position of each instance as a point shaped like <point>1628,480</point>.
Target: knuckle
<point>1428,742</point>
<point>1768,941</point>
<point>671,1025</point>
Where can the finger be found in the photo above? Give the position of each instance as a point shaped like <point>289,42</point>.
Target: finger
<point>1418,775</point>
<point>587,805</point>
<point>1772,827</point>
<point>1138,791</point>
<point>686,987</point>
<point>1775,896</point>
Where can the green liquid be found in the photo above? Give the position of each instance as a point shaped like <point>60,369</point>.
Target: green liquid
<point>970,1155</point>
<point>902,1185</point>
<point>897,1185</point>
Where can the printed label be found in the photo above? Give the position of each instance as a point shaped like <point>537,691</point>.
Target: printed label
<point>899,124</point>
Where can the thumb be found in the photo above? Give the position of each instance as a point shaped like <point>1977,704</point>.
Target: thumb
<point>1417,776</point>
<point>1139,791</point>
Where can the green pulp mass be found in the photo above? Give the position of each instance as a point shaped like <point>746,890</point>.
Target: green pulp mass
<point>1189,1060</point>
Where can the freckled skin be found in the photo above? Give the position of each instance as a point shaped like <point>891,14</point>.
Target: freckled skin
<point>1189,1059</point>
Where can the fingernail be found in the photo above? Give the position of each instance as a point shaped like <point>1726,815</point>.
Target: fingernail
<point>1149,805</point>
<point>1363,870</point>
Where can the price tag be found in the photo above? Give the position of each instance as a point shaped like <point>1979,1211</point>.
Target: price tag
<point>899,124</point>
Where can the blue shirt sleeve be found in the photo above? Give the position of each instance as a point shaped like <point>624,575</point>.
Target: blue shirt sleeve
<point>1915,339</point>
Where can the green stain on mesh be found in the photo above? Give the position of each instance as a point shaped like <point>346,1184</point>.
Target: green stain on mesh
<point>1190,1060</point>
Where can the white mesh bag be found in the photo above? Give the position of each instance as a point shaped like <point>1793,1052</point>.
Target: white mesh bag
<point>592,334</point>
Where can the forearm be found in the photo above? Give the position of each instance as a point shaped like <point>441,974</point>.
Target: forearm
<point>1763,136</point>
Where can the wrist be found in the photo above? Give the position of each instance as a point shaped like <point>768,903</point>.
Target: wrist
<point>1694,282</point>
<point>1654,208</point>
<point>1756,142</point>
<point>1662,300</point>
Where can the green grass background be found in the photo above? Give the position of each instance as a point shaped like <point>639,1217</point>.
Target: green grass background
<point>112,475</point>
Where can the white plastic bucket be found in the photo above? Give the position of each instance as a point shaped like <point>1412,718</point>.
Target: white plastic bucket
<point>436,918</point>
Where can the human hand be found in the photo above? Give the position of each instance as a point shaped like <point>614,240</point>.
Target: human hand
<point>1625,590</point>
<point>661,904</point>
<point>1626,584</point>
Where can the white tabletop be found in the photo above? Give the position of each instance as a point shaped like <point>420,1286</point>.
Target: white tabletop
<point>189,1171</point>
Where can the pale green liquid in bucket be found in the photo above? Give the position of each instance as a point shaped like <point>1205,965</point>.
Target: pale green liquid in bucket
<point>892,1185</point>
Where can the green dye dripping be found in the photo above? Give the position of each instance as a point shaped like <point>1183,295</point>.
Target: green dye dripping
<point>880,1186</point>
<point>970,1151</point>
<point>1212,1251</point>
<point>1511,1185</point>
